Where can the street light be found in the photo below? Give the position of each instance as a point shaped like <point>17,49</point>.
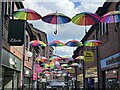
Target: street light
<point>29,55</point>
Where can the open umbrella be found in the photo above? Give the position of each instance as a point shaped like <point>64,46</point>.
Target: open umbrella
<point>73,43</point>
<point>56,18</point>
<point>111,17</point>
<point>37,43</point>
<point>55,58</point>
<point>67,58</point>
<point>79,58</point>
<point>86,18</point>
<point>64,65</point>
<point>92,43</point>
<point>26,14</point>
<point>56,43</point>
<point>41,59</point>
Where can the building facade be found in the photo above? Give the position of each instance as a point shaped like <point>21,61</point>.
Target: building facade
<point>14,73</point>
<point>104,69</point>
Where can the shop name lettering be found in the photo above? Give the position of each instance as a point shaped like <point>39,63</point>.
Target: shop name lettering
<point>113,60</point>
<point>15,40</point>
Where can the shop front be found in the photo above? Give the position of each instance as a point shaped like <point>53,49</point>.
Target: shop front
<point>27,78</point>
<point>110,67</point>
<point>11,67</point>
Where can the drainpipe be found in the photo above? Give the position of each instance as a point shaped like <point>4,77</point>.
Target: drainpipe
<point>1,35</point>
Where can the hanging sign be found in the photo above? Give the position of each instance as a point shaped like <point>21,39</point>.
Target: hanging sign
<point>16,32</point>
<point>88,56</point>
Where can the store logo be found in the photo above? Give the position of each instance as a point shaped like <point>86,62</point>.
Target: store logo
<point>15,40</point>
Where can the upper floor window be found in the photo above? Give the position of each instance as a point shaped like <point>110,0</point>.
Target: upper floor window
<point>103,29</point>
<point>118,6</point>
<point>39,36</point>
<point>8,8</point>
<point>26,41</point>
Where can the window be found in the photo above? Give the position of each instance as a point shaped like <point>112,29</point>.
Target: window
<point>26,41</point>
<point>118,9</point>
<point>103,29</point>
<point>39,36</point>
<point>8,8</point>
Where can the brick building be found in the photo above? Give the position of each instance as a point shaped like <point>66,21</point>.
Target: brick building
<point>106,57</point>
<point>11,57</point>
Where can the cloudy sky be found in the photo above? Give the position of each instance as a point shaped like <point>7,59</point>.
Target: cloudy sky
<point>67,31</point>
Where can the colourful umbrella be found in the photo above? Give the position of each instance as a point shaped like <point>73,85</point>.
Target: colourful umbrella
<point>26,14</point>
<point>46,65</point>
<point>79,58</point>
<point>73,43</point>
<point>56,18</point>
<point>64,65</point>
<point>111,17</point>
<point>69,68</point>
<point>37,43</point>
<point>55,58</point>
<point>41,58</point>
<point>74,64</point>
<point>67,57</point>
<point>92,43</point>
<point>56,43</point>
<point>86,18</point>
<point>52,65</point>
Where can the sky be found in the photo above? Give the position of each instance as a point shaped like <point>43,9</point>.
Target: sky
<point>67,31</point>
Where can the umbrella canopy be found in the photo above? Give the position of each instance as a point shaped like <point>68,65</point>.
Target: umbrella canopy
<point>67,57</point>
<point>56,18</point>
<point>73,43</point>
<point>56,43</point>
<point>26,14</point>
<point>111,17</point>
<point>55,58</point>
<point>74,64</point>
<point>41,58</point>
<point>92,43</point>
<point>86,18</point>
<point>69,68</point>
<point>64,65</point>
<point>37,43</point>
<point>79,58</point>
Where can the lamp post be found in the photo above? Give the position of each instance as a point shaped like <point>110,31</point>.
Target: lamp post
<point>28,55</point>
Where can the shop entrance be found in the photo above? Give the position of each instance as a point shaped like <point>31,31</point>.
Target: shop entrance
<point>10,79</point>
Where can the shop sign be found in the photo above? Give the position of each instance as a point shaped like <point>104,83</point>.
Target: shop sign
<point>111,60</point>
<point>88,56</point>
<point>16,32</point>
